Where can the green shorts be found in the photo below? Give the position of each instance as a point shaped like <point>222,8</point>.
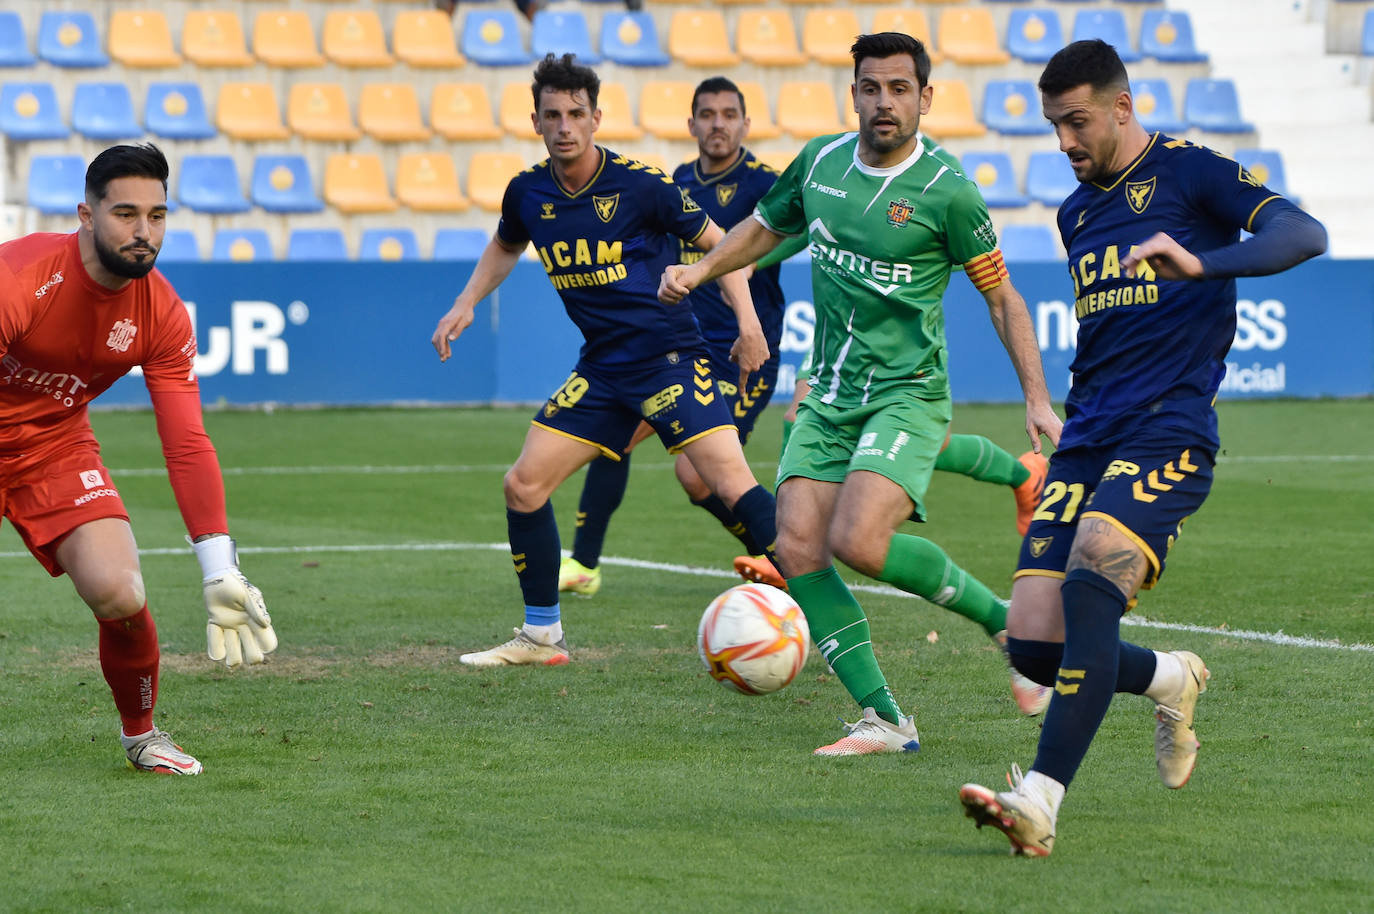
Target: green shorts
<point>898,438</point>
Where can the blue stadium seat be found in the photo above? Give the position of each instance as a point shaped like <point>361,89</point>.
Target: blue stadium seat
<point>282,184</point>
<point>14,44</point>
<point>631,39</point>
<point>68,38</point>
<point>995,177</point>
<point>563,31</point>
<point>459,243</point>
<point>492,38</point>
<point>1154,106</point>
<point>1109,25</point>
<point>1168,35</point>
<point>57,184</point>
<point>1266,167</point>
<point>1012,106</point>
<point>316,244</point>
<point>1367,34</point>
<point>1034,35</point>
<point>389,244</point>
<point>1212,104</point>
<point>1049,177</point>
<point>104,111</point>
<point>1021,243</point>
<point>210,184</point>
<point>177,111</point>
<point>179,246</point>
<point>241,244</point>
<point>28,111</point>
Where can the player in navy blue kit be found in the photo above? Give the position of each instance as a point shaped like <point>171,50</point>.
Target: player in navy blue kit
<point>726,181</point>
<point>605,227</point>
<point>1152,234</point>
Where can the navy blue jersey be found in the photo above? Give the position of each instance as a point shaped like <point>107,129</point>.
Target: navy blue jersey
<point>728,197</point>
<point>1150,351</point>
<point>605,248</point>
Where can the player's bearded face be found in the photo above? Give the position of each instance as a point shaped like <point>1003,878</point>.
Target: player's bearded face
<point>719,124</point>
<point>128,225</point>
<point>889,102</point>
<point>1088,130</point>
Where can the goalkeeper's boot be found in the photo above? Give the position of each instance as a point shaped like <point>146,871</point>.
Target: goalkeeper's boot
<point>1028,493</point>
<point>578,578</point>
<point>522,650</point>
<point>1017,813</point>
<point>760,570</point>
<point>154,751</point>
<point>1031,697</point>
<point>1175,742</point>
<point>872,735</point>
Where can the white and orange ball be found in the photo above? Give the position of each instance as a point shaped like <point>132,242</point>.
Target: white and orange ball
<point>753,638</point>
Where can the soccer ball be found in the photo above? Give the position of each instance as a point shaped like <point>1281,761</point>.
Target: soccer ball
<point>753,639</point>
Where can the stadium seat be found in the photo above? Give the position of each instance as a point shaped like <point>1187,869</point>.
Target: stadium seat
<point>969,36</point>
<point>766,37</point>
<point>516,106</point>
<point>562,31</point>
<point>1266,167</point>
<point>951,111</point>
<point>282,184</point>
<point>242,245</point>
<point>761,123</point>
<point>177,111</point>
<point>14,44</point>
<point>777,159</point>
<point>1154,106</point>
<point>249,111</point>
<point>909,21</point>
<point>827,35</point>
<point>428,182</point>
<point>807,109</point>
<point>462,111</point>
<point>104,111</point>
<point>285,38</point>
<point>617,113</point>
<point>1168,35</point>
<point>142,38</point>
<point>488,175</point>
<point>664,107</point>
<point>460,243</point>
<point>179,246</point>
<point>388,244</point>
<point>492,38</point>
<point>1049,178</point>
<point>316,244</point>
<point>357,184</point>
<point>1028,243</point>
<point>354,38</point>
<point>1034,35</point>
<point>1110,26</point>
<point>1012,106</point>
<point>319,111</point>
<point>1367,34</point>
<point>424,38</point>
<point>698,38</point>
<point>28,111</point>
<point>995,177</point>
<point>57,184</point>
<point>210,184</point>
<point>68,38</point>
<point>1212,104</point>
<point>390,112</point>
<point>214,38</point>
<point>631,39</point>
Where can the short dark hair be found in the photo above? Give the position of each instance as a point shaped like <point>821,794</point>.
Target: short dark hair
<point>564,74</point>
<point>716,84</point>
<point>891,44</point>
<point>142,161</point>
<point>1091,62</point>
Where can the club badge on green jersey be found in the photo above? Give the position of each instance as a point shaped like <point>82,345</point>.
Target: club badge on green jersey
<point>899,212</point>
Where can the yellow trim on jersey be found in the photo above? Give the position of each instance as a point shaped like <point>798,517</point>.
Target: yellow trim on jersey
<point>677,448</point>
<point>569,194</point>
<point>613,454</point>
<point>701,231</point>
<point>1130,535</point>
<point>696,168</point>
<point>1251,221</point>
<point>1037,572</point>
<point>1130,168</point>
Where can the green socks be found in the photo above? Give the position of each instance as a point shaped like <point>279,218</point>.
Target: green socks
<point>978,458</point>
<point>919,566</point>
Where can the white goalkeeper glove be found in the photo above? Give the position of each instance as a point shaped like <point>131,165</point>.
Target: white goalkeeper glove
<point>238,627</point>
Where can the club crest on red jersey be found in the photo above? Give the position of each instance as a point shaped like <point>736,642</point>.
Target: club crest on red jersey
<point>122,335</point>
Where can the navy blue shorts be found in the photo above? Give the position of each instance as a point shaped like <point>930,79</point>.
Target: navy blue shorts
<point>745,406</point>
<point>1144,489</point>
<point>676,394</point>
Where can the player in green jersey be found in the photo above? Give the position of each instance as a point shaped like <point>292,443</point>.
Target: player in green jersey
<point>887,223</point>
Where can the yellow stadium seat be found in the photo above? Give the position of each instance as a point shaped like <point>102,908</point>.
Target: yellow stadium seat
<point>391,112</point>
<point>462,111</point>
<point>517,104</point>
<point>319,111</point>
<point>249,111</point>
<point>214,38</point>
<point>698,39</point>
<point>969,36</point>
<point>357,184</point>
<point>807,109</point>
<point>285,38</point>
<point>142,38</point>
<point>809,3</point>
<point>851,117</point>
<point>827,35</point>
<point>776,159</point>
<point>951,111</point>
<point>664,106</point>
<point>908,21</point>
<point>766,37</point>
<point>429,182</point>
<point>488,175</point>
<point>617,114</point>
<point>761,123</point>
<point>354,38</point>
<point>424,38</point>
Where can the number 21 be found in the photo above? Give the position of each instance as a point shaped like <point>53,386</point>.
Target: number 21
<point>1054,494</point>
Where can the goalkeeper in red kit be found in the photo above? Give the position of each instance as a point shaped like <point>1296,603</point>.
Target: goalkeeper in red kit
<point>77,312</point>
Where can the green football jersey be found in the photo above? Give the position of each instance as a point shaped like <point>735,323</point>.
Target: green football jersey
<point>883,244</point>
